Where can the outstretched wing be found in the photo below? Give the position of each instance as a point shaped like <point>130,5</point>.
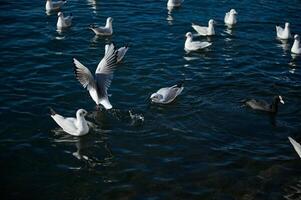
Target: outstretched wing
<point>108,62</point>
<point>84,76</point>
<point>296,146</point>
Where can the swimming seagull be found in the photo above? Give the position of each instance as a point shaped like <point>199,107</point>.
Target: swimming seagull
<point>230,18</point>
<point>296,49</point>
<point>106,30</point>
<point>74,126</point>
<point>99,85</point>
<point>296,146</point>
<point>285,33</point>
<point>174,3</point>
<point>194,45</point>
<point>264,106</point>
<point>167,94</point>
<point>63,22</point>
<point>203,30</point>
<point>54,6</point>
<point>120,52</point>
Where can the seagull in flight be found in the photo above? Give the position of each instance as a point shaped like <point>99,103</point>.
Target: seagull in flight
<point>99,84</point>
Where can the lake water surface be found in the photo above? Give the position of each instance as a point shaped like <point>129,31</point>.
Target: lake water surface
<point>204,145</point>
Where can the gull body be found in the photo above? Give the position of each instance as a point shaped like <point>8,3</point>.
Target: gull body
<point>264,106</point>
<point>63,22</point>
<point>99,84</point>
<point>284,34</point>
<point>106,30</point>
<point>230,18</point>
<point>194,45</point>
<point>296,146</point>
<point>296,49</point>
<point>167,95</point>
<point>120,52</point>
<point>54,6</point>
<point>203,30</point>
<point>174,3</point>
<point>74,126</point>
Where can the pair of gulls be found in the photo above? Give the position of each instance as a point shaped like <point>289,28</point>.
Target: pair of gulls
<point>190,45</point>
<point>285,34</point>
<point>65,22</point>
<point>97,87</point>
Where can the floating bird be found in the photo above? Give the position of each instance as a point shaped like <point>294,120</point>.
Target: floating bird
<point>285,33</point>
<point>296,49</point>
<point>54,6</point>
<point>167,94</point>
<point>120,52</point>
<point>264,106</point>
<point>194,45</point>
<point>63,22</point>
<point>103,76</point>
<point>103,30</point>
<point>203,30</point>
<point>74,126</point>
<point>230,18</point>
<point>296,146</point>
<point>174,3</point>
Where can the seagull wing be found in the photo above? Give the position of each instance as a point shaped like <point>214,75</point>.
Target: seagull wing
<point>121,52</point>
<point>108,62</point>
<point>65,123</point>
<point>202,30</point>
<point>296,146</point>
<point>226,17</point>
<point>84,76</point>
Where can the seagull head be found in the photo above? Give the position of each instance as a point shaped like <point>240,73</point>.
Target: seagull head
<point>81,113</point>
<point>296,37</point>
<point>109,19</point>
<point>211,22</point>
<point>59,14</point>
<point>233,12</point>
<point>287,24</point>
<point>188,35</point>
<point>156,97</point>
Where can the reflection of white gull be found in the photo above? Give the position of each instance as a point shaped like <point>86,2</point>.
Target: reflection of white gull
<point>54,6</point>
<point>120,52</point>
<point>230,18</point>
<point>74,126</point>
<point>194,45</point>
<point>63,22</point>
<point>285,33</point>
<point>103,76</point>
<point>296,146</point>
<point>167,94</point>
<point>106,30</point>
<point>204,30</point>
<point>296,49</point>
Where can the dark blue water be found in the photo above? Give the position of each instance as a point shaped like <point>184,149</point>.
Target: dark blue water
<point>202,146</point>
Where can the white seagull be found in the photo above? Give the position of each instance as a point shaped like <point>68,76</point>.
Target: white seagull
<point>103,77</point>
<point>174,3</point>
<point>285,33</point>
<point>296,49</point>
<point>167,94</point>
<point>194,45</point>
<point>230,18</point>
<point>54,6</point>
<point>106,30</point>
<point>120,52</point>
<point>296,146</point>
<point>74,126</point>
<point>204,30</point>
<point>63,22</point>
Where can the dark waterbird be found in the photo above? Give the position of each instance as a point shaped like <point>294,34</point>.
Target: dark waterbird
<point>263,105</point>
